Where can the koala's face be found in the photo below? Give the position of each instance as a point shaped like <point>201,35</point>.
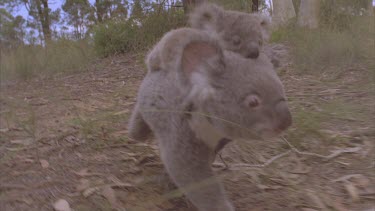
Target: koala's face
<point>241,98</point>
<point>243,39</point>
<point>239,32</point>
<point>248,99</point>
<point>243,34</point>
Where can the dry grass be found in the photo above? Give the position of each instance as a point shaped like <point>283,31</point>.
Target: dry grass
<point>316,51</point>
<point>26,62</point>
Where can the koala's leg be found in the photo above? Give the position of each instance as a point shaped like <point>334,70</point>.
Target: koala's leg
<point>188,162</point>
<point>137,127</point>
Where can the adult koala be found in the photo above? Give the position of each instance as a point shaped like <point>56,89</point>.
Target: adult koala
<point>202,95</point>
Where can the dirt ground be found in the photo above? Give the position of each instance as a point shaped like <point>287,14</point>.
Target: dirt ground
<point>64,139</point>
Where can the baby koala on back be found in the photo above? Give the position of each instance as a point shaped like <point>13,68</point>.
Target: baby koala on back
<point>239,32</point>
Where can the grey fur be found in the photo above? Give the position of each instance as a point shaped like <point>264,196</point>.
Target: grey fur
<point>239,32</point>
<point>251,30</point>
<point>202,96</point>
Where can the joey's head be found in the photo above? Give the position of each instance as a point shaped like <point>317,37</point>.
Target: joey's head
<point>239,32</point>
<point>243,33</point>
<point>242,98</point>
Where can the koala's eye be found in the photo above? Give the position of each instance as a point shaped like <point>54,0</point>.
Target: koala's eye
<point>236,40</point>
<point>252,101</point>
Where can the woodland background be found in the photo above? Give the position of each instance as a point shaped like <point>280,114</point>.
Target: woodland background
<point>40,40</point>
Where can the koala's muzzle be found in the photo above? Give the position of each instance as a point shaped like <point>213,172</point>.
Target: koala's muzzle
<point>253,51</point>
<point>284,117</point>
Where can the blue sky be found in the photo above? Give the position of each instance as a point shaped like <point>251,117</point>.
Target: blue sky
<point>53,4</point>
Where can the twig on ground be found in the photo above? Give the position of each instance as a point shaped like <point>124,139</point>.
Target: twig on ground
<point>223,161</point>
<point>347,177</point>
<point>115,146</point>
<point>334,154</point>
<point>267,163</point>
<point>245,165</point>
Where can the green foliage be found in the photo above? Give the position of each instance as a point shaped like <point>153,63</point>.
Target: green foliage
<point>61,56</point>
<point>12,29</point>
<point>133,35</point>
<point>110,9</point>
<point>79,13</point>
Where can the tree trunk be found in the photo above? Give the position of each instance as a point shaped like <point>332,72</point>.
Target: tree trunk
<point>370,8</point>
<point>99,11</point>
<point>43,14</point>
<point>190,4</point>
<point>308,14</point>
<point>255,5</point>
<point>283,11</point>
<point>47,22</point>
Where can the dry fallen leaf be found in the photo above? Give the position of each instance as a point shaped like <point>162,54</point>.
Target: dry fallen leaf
<point>89,191</point>
<point>82,172</point>
<point>28,160</point>
<point>110,195</point>
<point>24,142</point>
<point>83,185</point>
<point>118,183</point>
<point>121,112</point>
<point>352,190</point>
<point>4,130</point>
<point>44,163</point>
<point>62,205</point>
<point>316,200</point>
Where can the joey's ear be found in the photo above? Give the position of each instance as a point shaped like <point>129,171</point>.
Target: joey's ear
<point>205,16</point>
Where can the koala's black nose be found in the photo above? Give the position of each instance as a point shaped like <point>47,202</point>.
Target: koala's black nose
<point>253,54</point>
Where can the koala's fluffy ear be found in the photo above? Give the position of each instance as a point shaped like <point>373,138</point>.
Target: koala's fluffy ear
<point>195,55</point>
<point>206,16</point>
<point>199,62</point>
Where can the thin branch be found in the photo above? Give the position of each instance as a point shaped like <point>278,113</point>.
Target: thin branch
<point>347,177</point>
<point>245,165</point>
<point>334,154</point>
<point>267,163</point>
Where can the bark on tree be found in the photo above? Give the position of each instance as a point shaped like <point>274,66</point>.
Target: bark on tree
<point>43,13</point>
<point>283,11</point>
<point>99,11</point>
<point>308,14</point>
<point>370,8</point>
<point>255,5</point>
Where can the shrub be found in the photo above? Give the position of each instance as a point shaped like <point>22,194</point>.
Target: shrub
<point>135,34</point>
